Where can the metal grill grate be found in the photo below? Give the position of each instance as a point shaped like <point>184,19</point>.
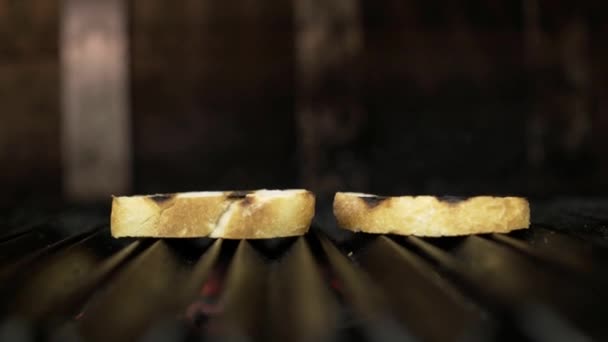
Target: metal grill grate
<point>66,278</point>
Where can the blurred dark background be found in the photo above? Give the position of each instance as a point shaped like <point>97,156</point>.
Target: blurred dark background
<point>409,96</point>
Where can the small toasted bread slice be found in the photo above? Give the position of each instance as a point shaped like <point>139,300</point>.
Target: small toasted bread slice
<point>430,215</point>
<point>222,214</point>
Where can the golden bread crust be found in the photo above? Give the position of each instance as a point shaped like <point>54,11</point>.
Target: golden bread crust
<point>430,215</point>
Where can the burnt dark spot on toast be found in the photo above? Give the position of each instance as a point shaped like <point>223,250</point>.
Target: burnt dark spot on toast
<point>239,194</point>
<point>160,199</point>
<point>452,199</point>
<point>372,201</point>
<point>246,201</point>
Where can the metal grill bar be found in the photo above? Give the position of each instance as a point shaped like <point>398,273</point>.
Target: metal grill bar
<point>368,301</point>
<point>365,297</point>
<point>417,292</point>
<point>578,262</point>
<point>495,299</point>
<point>301,304</point>
<point>551,246</point>
<point>18,278</point>
<point>583,219</point>
<point>198,276</point>
<point>17,247</point>
<point>12,236</point>
<point>26,241</point>
<point>44,243</point>
<point>137,296</point>
<point>244,295</point>
<point>66,280</point>
<point>495,263</point>
<point>17,222</point>
<point>509,283</point>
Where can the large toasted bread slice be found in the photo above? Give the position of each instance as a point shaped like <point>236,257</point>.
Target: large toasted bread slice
<point>222,214</point>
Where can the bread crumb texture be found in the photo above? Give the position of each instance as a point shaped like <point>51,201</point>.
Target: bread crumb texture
<point>430,215</point>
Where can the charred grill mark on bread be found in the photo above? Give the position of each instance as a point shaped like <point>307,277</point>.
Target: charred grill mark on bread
<point>161,199</point>
<point>452,199</point>
<point>242,197</point>
<point>246,201</point>
<point>373,201</point>
<point>239,194</point>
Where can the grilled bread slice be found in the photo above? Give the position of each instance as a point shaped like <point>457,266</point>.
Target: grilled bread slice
<point>229,214</point>
<point>430,215</point>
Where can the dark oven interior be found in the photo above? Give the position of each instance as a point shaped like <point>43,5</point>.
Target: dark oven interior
<point>122,97</point>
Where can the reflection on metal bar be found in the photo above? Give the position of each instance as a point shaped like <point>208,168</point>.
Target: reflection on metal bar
<point>95,115</point>
<point>359,288</point>
<point>368,301</point>
<point>442,257</point>
<point>586,230</point>
<point>20,262</point>
<point>243,299</point>
<point>479,261</point>
<point>34,239</point>
<point>63,282</point>
<point>13,236</point>
<point>199,274</point>
<point>9,233</point>
<point>18,246</point>
<point>495,296</point>
<point>505,267</point>
<point>550,246</point>
<point>510,281</point>
<point>571,298</point>
<point>301,305</point>
<point>136,297</point>
<point>421,298</point>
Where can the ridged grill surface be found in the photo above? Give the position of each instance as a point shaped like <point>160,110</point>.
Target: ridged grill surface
<point>63,277</point>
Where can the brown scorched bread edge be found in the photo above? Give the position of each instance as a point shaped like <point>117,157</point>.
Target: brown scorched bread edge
<point>430,215</point>
<point>217,214</point>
